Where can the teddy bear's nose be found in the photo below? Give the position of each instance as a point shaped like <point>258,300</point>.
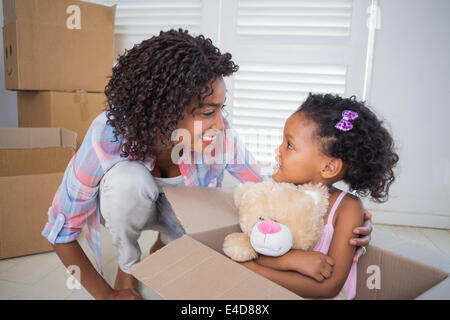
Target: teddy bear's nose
<point>268,227</point>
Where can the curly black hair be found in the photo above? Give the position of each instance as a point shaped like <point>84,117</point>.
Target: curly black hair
<point>367,149</point>
<point>153,83</point>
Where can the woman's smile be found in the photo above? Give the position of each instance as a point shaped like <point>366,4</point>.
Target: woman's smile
<point>209,139</point>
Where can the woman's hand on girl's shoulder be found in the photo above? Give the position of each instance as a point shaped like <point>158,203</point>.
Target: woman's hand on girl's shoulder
<point>364,235</point>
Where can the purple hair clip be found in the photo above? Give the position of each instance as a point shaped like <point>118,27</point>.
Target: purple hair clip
<point>345,124</point>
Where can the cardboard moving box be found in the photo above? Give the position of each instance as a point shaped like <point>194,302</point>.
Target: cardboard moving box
<point>194,266</point>
<point>32,162</point>
<point>73,111</point>
<point>59,45</point>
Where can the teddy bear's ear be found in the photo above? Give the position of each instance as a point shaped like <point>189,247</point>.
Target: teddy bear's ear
<point>318,192</point>
<point>314,195</point>
<point>240,191</point>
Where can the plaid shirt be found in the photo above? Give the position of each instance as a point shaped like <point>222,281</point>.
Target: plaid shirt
<point>76,202</point>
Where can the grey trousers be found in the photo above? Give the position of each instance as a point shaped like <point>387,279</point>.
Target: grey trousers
<point>131,202</point>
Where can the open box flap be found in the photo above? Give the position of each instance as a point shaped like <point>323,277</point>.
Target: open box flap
<point>399,277</point>
<point>197,208</point>
<point>187,269</point>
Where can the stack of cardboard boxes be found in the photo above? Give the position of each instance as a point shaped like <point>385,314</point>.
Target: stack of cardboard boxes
<point>58,55</point>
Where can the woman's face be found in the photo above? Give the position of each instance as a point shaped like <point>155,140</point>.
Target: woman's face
<point>204,124</point>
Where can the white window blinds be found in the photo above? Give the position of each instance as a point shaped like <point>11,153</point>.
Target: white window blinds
<point>265,95</point>
<point>149,17</point>
<point>137,20</point>
<point>299,18</point>
<point>286,49</point>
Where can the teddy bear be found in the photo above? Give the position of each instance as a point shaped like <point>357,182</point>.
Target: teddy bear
<point>275,217</point>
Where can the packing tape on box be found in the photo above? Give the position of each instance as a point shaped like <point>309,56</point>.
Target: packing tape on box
<point>82,99</point>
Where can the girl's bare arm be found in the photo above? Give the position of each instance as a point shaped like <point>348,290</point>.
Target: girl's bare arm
<point>349,216</point>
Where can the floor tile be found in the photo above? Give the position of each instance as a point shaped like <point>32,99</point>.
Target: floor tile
<point>432,257</point>
<point>12,290</point>
<point>440,238</point>
<point>32,269</point>
<point>146,241</point>
<point>383,237</point>
<point>55,285</point>
<point>108,249</point>
<point>110,272</point>
<point>6,264</point>
<point>406,234</point>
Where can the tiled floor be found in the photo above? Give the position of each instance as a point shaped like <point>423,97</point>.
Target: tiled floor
<point>42,276</point>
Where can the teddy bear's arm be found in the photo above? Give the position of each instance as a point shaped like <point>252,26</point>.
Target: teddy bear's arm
<point>238,247</point>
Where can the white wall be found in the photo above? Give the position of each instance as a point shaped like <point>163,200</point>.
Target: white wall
<point>8,99</point>
<point>411,89</point>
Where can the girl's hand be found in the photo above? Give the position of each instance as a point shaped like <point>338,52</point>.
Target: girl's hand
<point>363,240</point>
<point>127,294</point>
<point>315,265</point>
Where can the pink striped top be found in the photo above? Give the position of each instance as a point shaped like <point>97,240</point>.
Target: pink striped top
<point>324,245</point>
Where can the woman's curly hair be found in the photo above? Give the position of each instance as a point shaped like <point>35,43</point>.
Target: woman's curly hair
<point>367,149</point>
<point>153,83</point>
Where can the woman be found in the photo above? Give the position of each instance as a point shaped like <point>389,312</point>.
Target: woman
<point>170,82</point>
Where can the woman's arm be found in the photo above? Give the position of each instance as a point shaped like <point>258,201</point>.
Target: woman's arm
<point>72,254</point>
<point>349,216</point>
<point>75,203</point>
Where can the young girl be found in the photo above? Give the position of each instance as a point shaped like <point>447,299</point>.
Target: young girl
<point>329,139</point>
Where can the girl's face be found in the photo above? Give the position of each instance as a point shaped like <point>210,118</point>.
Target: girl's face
<point>204,124</point>
<point>299,157</point>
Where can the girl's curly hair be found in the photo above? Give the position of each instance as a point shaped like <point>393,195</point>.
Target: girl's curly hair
<point>367,149</point>
<point>153,83</point>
